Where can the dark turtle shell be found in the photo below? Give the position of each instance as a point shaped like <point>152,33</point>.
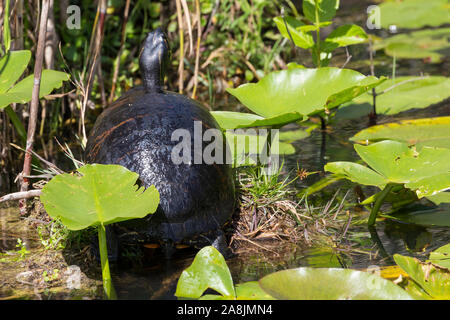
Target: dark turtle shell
<point>136,132</point>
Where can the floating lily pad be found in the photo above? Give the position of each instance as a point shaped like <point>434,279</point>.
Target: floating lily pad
<point>99,194</point>
<point>421,170</point>
<point>441,256</point>
<point>409,94</point>
<point>433,132</point>
<point>234,120</point>
<point>430,45</point>
<point>330,284</point>
<point>433,280</point>
<point>208,270</point>
<point>414,13</point>
<point>305,91</point>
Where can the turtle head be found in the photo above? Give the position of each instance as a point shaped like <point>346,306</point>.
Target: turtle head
<point>154,60</point>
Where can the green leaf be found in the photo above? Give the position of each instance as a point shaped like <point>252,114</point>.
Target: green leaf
<point>251,291</point>
<point>326,9</point>
<point>430,45</point>
<point>99,194</point>
<point>408,94</point>
<point>347,35</point>
<point>414,13</point>
<point>330,284</point>
<point>12,66</point>
<point>439,198</point>
<point>421,170</point>
<point>356,173</point>
<point>433,132</point>
<point>234,120</point>
<point>22,91</point>
<point>441,256</point>
<point>434,280</point>
<point>305,91</point>
<point>208,270</point>
<point>300,37</point>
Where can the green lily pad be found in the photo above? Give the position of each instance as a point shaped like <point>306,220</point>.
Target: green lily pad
<point>414,94</point>
<point>330,284</point>
<point>208,270</point>
<point>439,198</point>
<point>430,45</point>
<point>414,13</point>
<point>99,194</point>
<point>421,170</point>
<point>435,281</point>
<point>356,173</point>
<point>433,132</point>
<point>305,91</point>
<point>234,120</point>
<point>251,291</point>
<point>441,256</point>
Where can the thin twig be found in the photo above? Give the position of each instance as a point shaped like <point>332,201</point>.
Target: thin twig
<point>20,195</point>
<point>181,59</point>
<point>197,50</point>
<point>119,54</point>
<point>34,104</point>
<point>401,83</point>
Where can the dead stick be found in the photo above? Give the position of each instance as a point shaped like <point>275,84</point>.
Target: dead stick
<point>34,104</point>
<point>119,54</point>
<point>21,195</point>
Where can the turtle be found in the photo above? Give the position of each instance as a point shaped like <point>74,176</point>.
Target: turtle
<point>137,131</point>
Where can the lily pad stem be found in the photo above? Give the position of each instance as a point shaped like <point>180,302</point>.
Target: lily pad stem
<point>378,203</point>
<point>106,275</point>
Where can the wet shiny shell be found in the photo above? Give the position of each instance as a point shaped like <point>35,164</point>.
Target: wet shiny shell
<point>135,132</point>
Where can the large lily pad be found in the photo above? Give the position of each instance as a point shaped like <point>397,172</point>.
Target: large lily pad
<point>99,194</point>
<point>433,132</point>
<point>441,256</point>
<point>330,284</point>
<point>301,90</point>
<point>430,45</point>
<point>435,281</point>
<point>421,170</point>
<point>208,270</point>
<point>409,94</point>
<point>234,120</point>
<point>414,13</point>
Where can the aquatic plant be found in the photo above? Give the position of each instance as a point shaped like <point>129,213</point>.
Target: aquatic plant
<point>318,14</point>
<point>210,271</point>
<point>395,165</point>
<point>98,195</point>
